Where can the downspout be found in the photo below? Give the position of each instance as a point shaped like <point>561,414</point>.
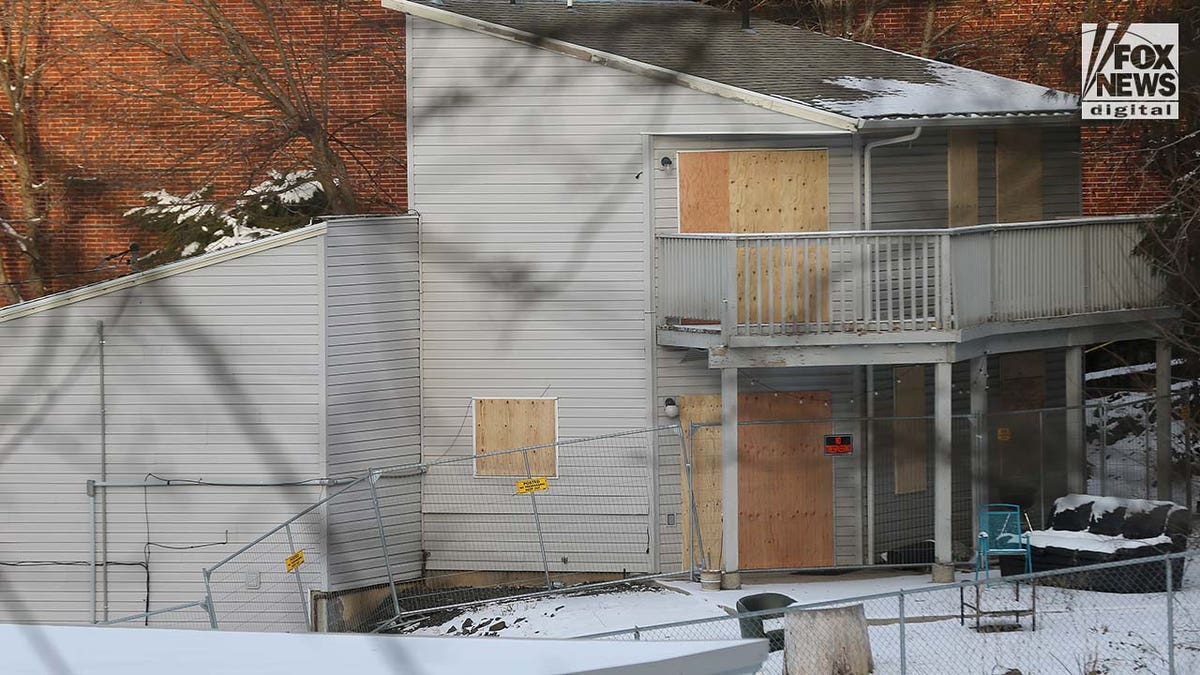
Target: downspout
<point>103,474</point>
<point>867,169</point>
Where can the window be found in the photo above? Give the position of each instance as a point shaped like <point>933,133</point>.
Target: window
<point>510,423</point>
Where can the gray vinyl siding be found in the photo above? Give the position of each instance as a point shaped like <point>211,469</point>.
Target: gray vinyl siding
<point>529,175</point>
<point>683,372</point>
<point>840,180</point>
<point>909,179</point>
<point>1061,167</point>
<point>373,393</point>
<point>212,373</point>
<point>908,188</point>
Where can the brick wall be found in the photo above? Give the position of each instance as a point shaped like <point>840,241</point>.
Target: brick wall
<point>1035,41</point>
<point>111,129</point>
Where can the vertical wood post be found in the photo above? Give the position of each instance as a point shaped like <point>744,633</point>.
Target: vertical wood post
<point>1076,456</point>
<point>729,474</point>
<point>943,568</point>
<point>1162,413</point>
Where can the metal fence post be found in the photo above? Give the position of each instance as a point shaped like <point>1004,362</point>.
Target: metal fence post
<point>212,616</point>
<point>1041,466</point>
<point>1103,450</point>
<point>208,600</point>
<point>537,523</point>
<point>903,647</point>
<point>387,563</point>
<point>1170,615</point>
<point>299,584</point>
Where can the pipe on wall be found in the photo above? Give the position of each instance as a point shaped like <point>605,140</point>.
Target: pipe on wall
<point>103,475</point>
<point>912,136</point>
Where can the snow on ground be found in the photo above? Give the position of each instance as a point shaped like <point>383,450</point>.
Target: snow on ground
<point>1077,631</point>
<point>578,615</point>
<point>574,616</point>
<point>1128,444</point>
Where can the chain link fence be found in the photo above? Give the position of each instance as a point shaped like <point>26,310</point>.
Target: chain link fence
<point>409,541</point>
<point>538,519</point>
<point>1130,616</point>
<point>402,542</point>
<point>188,615</point>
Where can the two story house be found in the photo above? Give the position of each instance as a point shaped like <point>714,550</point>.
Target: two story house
<point>625,215</point>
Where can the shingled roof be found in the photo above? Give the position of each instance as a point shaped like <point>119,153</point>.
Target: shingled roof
<point>834,75</point>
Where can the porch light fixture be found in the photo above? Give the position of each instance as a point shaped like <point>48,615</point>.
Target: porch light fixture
<point>671,408</point>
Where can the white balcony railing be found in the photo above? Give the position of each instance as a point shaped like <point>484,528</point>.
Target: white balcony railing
<point>902,280</point>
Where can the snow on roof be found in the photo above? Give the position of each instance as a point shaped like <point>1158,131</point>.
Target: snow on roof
<point>950,90</point>
<point>834,76</point>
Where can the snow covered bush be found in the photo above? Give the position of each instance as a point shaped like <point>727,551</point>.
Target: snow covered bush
<point>195,223</point>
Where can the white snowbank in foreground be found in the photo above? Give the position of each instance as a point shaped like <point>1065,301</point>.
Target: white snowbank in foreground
<point>30,650</point>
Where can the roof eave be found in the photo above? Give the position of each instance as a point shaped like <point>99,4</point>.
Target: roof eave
<point>769,102</point>
<point>169,270</point>
<point>981,120</point>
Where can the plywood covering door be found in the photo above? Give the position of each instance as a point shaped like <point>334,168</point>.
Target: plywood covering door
<point>785,481</point>
<point>763,192</point>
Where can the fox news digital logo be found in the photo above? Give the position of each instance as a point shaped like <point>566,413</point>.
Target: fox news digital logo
<point>1130,72</point>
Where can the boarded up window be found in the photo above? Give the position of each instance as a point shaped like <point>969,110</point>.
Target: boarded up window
<point>962,175</point>
<point>510,423</point>
<point>763,192</point>
<point>1018,174</point>
<point>754,191</point>
<point>911,447</point>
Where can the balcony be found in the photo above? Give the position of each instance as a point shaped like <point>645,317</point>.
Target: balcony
<point>932,286</point>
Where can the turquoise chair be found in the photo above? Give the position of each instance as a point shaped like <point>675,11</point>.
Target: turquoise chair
<point>1000,533</point>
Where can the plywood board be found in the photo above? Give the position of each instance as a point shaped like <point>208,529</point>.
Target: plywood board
<point>703,192</point>
<point>779,191</point>
<point>1018,174</point>
<point>910,448</point>
<point>785,481</point>
<point>962,175</point>
<point>704,446</point>
<point>505,424</point>
<point>789,285</point>
<point>1022,381</point>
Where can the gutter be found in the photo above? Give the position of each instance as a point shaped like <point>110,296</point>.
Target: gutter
<point>916,133</point>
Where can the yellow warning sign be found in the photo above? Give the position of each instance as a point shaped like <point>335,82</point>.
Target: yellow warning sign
<point>1003,434</point>
<point>527,485</point>
<point>294,560</point>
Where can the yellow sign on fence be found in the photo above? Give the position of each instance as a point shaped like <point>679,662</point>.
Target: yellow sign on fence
<point>527,485</point>
<point>294,560</point>
<point>1003,434</point>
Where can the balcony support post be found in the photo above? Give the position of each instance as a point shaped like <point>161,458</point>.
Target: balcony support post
<point>1076,456</point>
<point>1162,415</point>
<point>979,440</point>
<point>943,550</point>
<point>729,479</point>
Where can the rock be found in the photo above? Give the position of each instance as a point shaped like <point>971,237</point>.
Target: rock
<point>468,623</point>
<point>498,626</point>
